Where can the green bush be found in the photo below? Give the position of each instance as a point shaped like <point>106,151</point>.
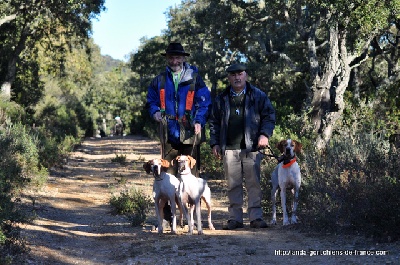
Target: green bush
<point>352,186</point>
<point>20,168</point>
<point>60,121</point>
<point>210,166</point>
<point>53,150</point>
<point>121,159</point>
<point>132,203</point>
<point>10,112</point>
<point>20,164</point>
<point>67,145</point>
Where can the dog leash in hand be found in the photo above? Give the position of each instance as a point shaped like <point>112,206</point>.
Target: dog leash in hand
<point>270,155</point>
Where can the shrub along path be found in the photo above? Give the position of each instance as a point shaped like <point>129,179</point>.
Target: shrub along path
<point>75,224</point>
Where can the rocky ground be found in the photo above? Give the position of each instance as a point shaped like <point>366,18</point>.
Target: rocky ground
<point>75,224</point>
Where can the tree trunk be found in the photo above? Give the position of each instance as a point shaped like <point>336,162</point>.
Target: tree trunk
<point>6,84</point>
<point>321,81</point>
<point>328,87</point>
<point>9,78</point>
<point>7,19</point>
<point>343,78</point>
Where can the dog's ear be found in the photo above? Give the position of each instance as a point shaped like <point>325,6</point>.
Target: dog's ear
<point>147,167</point>
<point>192,161</point>
<point>298,146</point>
<point>173,160</point>
<point>281,145</point>
<point>164,163</point>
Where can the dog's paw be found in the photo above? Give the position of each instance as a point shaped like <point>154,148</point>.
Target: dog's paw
<point>273,222</point>
<point>286,222</point>
<point>211,227</point>
<point>200,232</point>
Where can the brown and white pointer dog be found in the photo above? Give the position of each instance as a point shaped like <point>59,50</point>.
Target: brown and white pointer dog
<point>286,175</point>
<point>191,191</point>
<point>165,188</point>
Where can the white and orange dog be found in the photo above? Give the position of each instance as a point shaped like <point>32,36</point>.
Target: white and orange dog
<point>165,188</point>
<point>286,175</point>
<point>191,191</point>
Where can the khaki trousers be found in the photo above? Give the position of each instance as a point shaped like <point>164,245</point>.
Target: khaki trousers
<point>241,166</point>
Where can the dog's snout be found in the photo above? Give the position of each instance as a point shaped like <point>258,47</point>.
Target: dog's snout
<point>288,150</point>
<point>156,169</point>
<point>182,166</point>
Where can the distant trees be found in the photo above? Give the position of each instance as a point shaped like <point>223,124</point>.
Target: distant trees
<point>306,54</point>
<point>53,25</point>
<point>47,65</point>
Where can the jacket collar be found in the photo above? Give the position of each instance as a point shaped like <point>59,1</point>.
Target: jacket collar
<point>234,94</point>
<point>247,89</point>
<point>186,74</point>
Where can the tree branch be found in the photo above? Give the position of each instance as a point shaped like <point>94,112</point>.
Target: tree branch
<point>7,19</point>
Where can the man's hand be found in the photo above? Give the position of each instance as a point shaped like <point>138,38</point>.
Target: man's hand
<point>217,151</point>
<point>262,141</point>
<point>197,128</point>
<point>157,116</point>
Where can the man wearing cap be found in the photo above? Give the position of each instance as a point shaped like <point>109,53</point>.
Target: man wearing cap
<point>241,121</point>
<point>181,113</point>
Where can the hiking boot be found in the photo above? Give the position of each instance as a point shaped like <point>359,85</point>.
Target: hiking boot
<point>258,223</point>
<point>232,225</point>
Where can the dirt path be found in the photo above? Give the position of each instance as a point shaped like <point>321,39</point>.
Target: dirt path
<point>74,224</point>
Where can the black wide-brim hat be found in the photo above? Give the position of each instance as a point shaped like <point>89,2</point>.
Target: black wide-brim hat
<point>175,48</point>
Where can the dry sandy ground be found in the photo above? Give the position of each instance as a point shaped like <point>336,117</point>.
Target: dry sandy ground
<point>74,223</point>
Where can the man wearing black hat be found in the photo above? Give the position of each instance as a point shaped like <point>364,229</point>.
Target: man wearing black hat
<point>241,121</point>
<point>179,100</point>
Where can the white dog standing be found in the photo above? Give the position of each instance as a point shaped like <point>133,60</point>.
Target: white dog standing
<point>191,191</point>
<point>286,175</point>
<point>165,189</point>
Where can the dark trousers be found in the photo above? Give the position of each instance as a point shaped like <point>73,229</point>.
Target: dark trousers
<point>171,151</point>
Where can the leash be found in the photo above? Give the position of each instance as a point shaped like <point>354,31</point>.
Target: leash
<point>194,144</point>
<point>269,155</point>
<point>162,140</point>
<point>286,162</point>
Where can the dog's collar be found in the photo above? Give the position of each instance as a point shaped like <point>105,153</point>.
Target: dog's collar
<point>289,163</point>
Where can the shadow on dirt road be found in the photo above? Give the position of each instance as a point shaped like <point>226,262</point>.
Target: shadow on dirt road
<point>74,223</point>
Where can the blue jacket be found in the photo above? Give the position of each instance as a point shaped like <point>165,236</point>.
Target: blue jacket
<point>259,115</point>
<point>175,102</point>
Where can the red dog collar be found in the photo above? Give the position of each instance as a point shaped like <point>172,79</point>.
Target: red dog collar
<point>290,163</point>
